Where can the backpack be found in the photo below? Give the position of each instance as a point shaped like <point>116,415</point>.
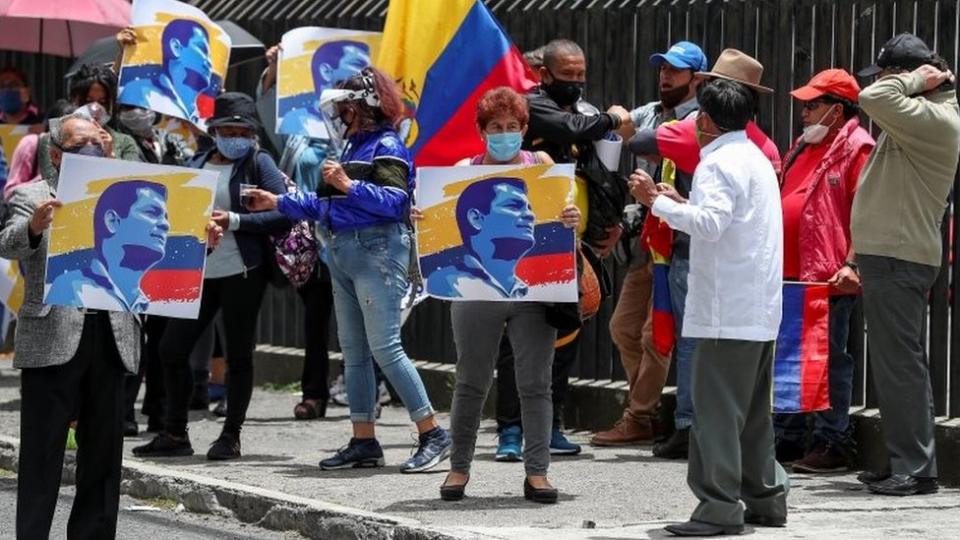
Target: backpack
<point>296,251</point>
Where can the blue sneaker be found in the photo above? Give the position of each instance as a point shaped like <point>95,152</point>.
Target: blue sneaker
<point>511,444</point>
<point>433,448</point>
<point>359,453</point>
<point>560,446</point>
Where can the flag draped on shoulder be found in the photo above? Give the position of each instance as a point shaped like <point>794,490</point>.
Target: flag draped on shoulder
<point>444,56</point>
<point>800,367</point>
<point>657,237</point>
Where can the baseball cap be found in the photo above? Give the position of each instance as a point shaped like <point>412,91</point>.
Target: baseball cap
<point>904,50</point>
<point>682,55</point>
<point>834,82</point>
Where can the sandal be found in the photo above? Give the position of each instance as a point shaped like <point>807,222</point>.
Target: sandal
<point>310,409</point>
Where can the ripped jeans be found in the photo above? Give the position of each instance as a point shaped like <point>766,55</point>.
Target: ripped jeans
<point>368,268</point>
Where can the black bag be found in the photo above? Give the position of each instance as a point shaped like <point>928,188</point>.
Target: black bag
<point>606,196</point>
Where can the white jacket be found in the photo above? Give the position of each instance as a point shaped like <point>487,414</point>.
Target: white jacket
<point>733,217</point>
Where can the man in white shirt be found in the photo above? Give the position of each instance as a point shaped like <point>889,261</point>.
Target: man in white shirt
<point>733,310</point>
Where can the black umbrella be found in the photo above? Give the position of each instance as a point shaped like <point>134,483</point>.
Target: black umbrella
<point>244,48</point>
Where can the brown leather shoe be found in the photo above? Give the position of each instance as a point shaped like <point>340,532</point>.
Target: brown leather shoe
<point>625,431</point>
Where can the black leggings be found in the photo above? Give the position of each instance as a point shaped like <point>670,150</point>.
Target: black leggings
<point>317,296</point>
<point>239,298</point>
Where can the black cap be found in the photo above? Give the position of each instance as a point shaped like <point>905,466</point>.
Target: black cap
<point>234,109</point>
<point>905,51</point>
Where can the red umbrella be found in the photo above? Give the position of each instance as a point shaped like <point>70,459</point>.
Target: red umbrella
<point>59,27</point>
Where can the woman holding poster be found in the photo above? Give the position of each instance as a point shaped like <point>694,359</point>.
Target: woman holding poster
<point>478,326</point>
<point>361,211</point>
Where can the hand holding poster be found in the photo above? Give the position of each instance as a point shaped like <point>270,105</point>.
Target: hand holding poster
<point>179,62</point>
<point>312,60</point>
<point>494,233</point>
<point>129,237</point>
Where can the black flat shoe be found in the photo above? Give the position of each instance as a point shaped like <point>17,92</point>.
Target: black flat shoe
<point>539,495</point>
<point>702,528</point>
<point>453,492</point>
<point>904,484</point>
<point>227,446</point>
<point>762,520</point>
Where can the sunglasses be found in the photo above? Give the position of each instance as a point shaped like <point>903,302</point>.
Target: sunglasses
<point>813,105</point>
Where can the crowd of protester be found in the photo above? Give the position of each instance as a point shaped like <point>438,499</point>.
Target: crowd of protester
<point>708,186</point>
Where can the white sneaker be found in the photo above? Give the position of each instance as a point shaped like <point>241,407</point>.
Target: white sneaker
<point>384,396</point>
<point>338,392</point>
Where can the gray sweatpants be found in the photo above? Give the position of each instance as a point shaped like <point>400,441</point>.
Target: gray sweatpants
<point>477,329</point>
<point>732,457</point>
<point>895,307</point>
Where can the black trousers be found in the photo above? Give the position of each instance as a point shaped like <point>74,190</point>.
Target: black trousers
<point>89,388</point>
<point>508,399</point>
<point>317,296</point>
<point>239,297</point>
<point>151,373</point>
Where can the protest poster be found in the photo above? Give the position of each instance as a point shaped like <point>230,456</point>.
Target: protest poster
<point>312,60</point>
<point>493,232</point>
<point>11,294</point>
<point>130,237</point>
<point>10,135</point>
<point>179,63</point>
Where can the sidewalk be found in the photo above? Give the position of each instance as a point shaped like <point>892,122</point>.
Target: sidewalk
<point>623,492</point>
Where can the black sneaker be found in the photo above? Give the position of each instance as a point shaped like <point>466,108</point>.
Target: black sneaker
<point>904,484</point>
<point>676,447</point>
<point>359,453</point>
<point>165,445</point>
<point>433,448</point>
<point>227,446</point>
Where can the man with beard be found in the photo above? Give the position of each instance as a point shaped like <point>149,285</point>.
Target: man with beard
<point>130,227</point>
<point>496,224</point>
<point>186,72</point>
<point>631,324</point>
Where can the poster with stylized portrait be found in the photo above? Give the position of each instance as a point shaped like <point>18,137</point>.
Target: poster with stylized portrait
<point>11,294</point>
<point>314,59</point>
<point>129,237</point>
<point>179,63</point>
<point>493,232</point>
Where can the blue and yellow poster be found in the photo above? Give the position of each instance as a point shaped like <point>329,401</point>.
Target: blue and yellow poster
<point>130,237</point>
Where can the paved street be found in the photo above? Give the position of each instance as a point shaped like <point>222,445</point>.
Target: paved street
<point>623,492</point>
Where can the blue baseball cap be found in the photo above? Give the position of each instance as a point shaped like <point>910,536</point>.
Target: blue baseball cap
<point>682,55</point>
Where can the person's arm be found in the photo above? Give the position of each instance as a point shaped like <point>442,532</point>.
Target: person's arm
<point>388,197</point>
<point>709,218</point>
<point>549,121</point>
<point>300,206</point>
<point>644,143</point>
<point>891,103</point>
<point>270,179</point>
<point>17,238</point>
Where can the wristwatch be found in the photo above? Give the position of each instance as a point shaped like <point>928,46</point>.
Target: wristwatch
<point>853,266</point>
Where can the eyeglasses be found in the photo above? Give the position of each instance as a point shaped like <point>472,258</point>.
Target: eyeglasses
<point>813,105</point>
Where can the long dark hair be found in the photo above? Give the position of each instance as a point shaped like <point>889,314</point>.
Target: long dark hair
<point>391,109</point>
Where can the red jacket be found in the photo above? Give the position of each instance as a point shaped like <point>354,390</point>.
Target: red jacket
<point>825,219</point>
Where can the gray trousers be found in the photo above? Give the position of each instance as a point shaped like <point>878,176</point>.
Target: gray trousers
<point>895,307</point>
<point>732,456</point>
<point>477,329</point>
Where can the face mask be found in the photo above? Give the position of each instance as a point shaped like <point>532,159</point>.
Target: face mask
<point>565,93</point>
<point>504,147</point>
<point>10,102</point>
<point>92,150</point>
<point>139,121</point>
<point>815,133</point>
<point>233,148</point>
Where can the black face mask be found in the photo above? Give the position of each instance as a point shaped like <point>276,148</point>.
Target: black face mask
<point>565,93</point>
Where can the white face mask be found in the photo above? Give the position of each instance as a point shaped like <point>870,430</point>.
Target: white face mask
<point>815,133</point>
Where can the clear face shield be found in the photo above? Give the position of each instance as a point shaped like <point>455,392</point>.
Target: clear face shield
<point>336,127</point>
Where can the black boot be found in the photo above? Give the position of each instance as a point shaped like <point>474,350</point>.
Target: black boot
<point>676,447</point>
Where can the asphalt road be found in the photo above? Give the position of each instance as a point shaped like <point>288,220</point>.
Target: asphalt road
<point>155,525</point>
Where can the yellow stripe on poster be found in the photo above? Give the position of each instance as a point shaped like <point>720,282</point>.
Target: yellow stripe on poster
<point>72,226</point>
<point>295,73</point>
<point>149,46</point>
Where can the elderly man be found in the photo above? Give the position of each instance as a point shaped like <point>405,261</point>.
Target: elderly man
<point>631,325</point>
<point>897,215</point>
<point>73,361</point>
<point>819,181</point>
<point>733,310</point>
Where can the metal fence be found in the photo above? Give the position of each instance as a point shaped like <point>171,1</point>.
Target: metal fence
<point>792,38</point>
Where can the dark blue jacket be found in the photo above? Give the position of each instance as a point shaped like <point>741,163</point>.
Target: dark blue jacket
<point>253,225</point>
<point>382,170</point>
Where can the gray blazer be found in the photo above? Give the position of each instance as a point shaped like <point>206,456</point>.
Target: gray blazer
<point>50,335</point>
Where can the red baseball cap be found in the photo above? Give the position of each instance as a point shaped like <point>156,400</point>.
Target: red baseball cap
<point>835,82</point>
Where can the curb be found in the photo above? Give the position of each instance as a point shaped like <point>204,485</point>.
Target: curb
<point>269,509</point>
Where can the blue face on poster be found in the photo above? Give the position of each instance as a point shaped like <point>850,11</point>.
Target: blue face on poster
<point>335,61</point>
<point>130,229</point>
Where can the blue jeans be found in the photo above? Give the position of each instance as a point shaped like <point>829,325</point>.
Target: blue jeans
<point>683,350</point>
<point>368,268</point>
<point>831,426</point>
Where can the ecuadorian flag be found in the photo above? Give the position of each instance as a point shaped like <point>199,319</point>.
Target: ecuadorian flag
<point>445,55</point>
<point>800,366</point>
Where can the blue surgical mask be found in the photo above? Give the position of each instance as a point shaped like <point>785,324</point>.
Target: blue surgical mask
<point>233,148</point>
<point>90,149</point>
<point>504,146</point>
<point>10,101</point>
